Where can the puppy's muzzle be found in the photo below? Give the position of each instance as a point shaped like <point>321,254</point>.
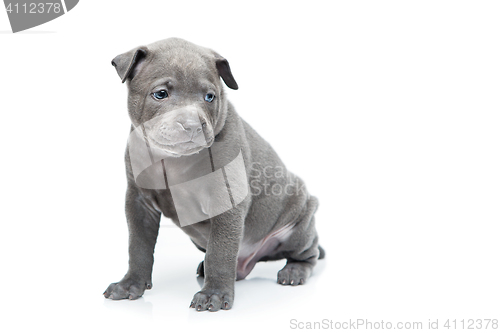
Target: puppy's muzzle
<point>189,128</point>
<point>181,131</point>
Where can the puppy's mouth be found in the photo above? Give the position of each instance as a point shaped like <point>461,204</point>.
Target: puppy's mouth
<point>182,148</point>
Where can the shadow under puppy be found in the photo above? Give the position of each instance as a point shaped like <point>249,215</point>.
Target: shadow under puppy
<point>191,158</point>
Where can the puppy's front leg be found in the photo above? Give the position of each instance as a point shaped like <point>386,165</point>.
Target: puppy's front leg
<point>221,262</point>
<point>143,223</point>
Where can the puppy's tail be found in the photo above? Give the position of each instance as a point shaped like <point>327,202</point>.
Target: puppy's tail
<point>321,252</point>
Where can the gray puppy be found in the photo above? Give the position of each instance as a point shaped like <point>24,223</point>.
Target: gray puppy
<point>208,171</point>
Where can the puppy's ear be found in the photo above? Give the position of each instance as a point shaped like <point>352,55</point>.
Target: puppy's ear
<point>128,64</point>
<point>225,72</point>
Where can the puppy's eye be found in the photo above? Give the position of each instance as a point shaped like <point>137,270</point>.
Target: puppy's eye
<point>209,97</point>
<point>160,94</point>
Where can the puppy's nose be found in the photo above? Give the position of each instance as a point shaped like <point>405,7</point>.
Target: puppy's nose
<point>192,127</point>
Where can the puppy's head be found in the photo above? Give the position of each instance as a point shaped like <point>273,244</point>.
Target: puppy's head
<point>175,93</point>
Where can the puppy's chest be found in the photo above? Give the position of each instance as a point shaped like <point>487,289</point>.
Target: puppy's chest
<point>203,185</point>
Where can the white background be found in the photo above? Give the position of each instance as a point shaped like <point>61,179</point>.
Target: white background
<point>389,110</point>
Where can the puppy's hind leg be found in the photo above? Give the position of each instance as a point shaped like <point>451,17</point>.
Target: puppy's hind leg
<point>299,266</point>
<point>201,269</point>
<point>303,249</point>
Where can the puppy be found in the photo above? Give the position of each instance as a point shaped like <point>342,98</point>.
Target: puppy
<point>192,158</point>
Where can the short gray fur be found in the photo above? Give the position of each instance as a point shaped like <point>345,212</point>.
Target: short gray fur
<point>188,71</point>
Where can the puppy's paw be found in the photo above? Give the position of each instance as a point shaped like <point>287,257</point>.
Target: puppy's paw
<point>294,273</point>
<point>127,288</point>
<point>212,300</point>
